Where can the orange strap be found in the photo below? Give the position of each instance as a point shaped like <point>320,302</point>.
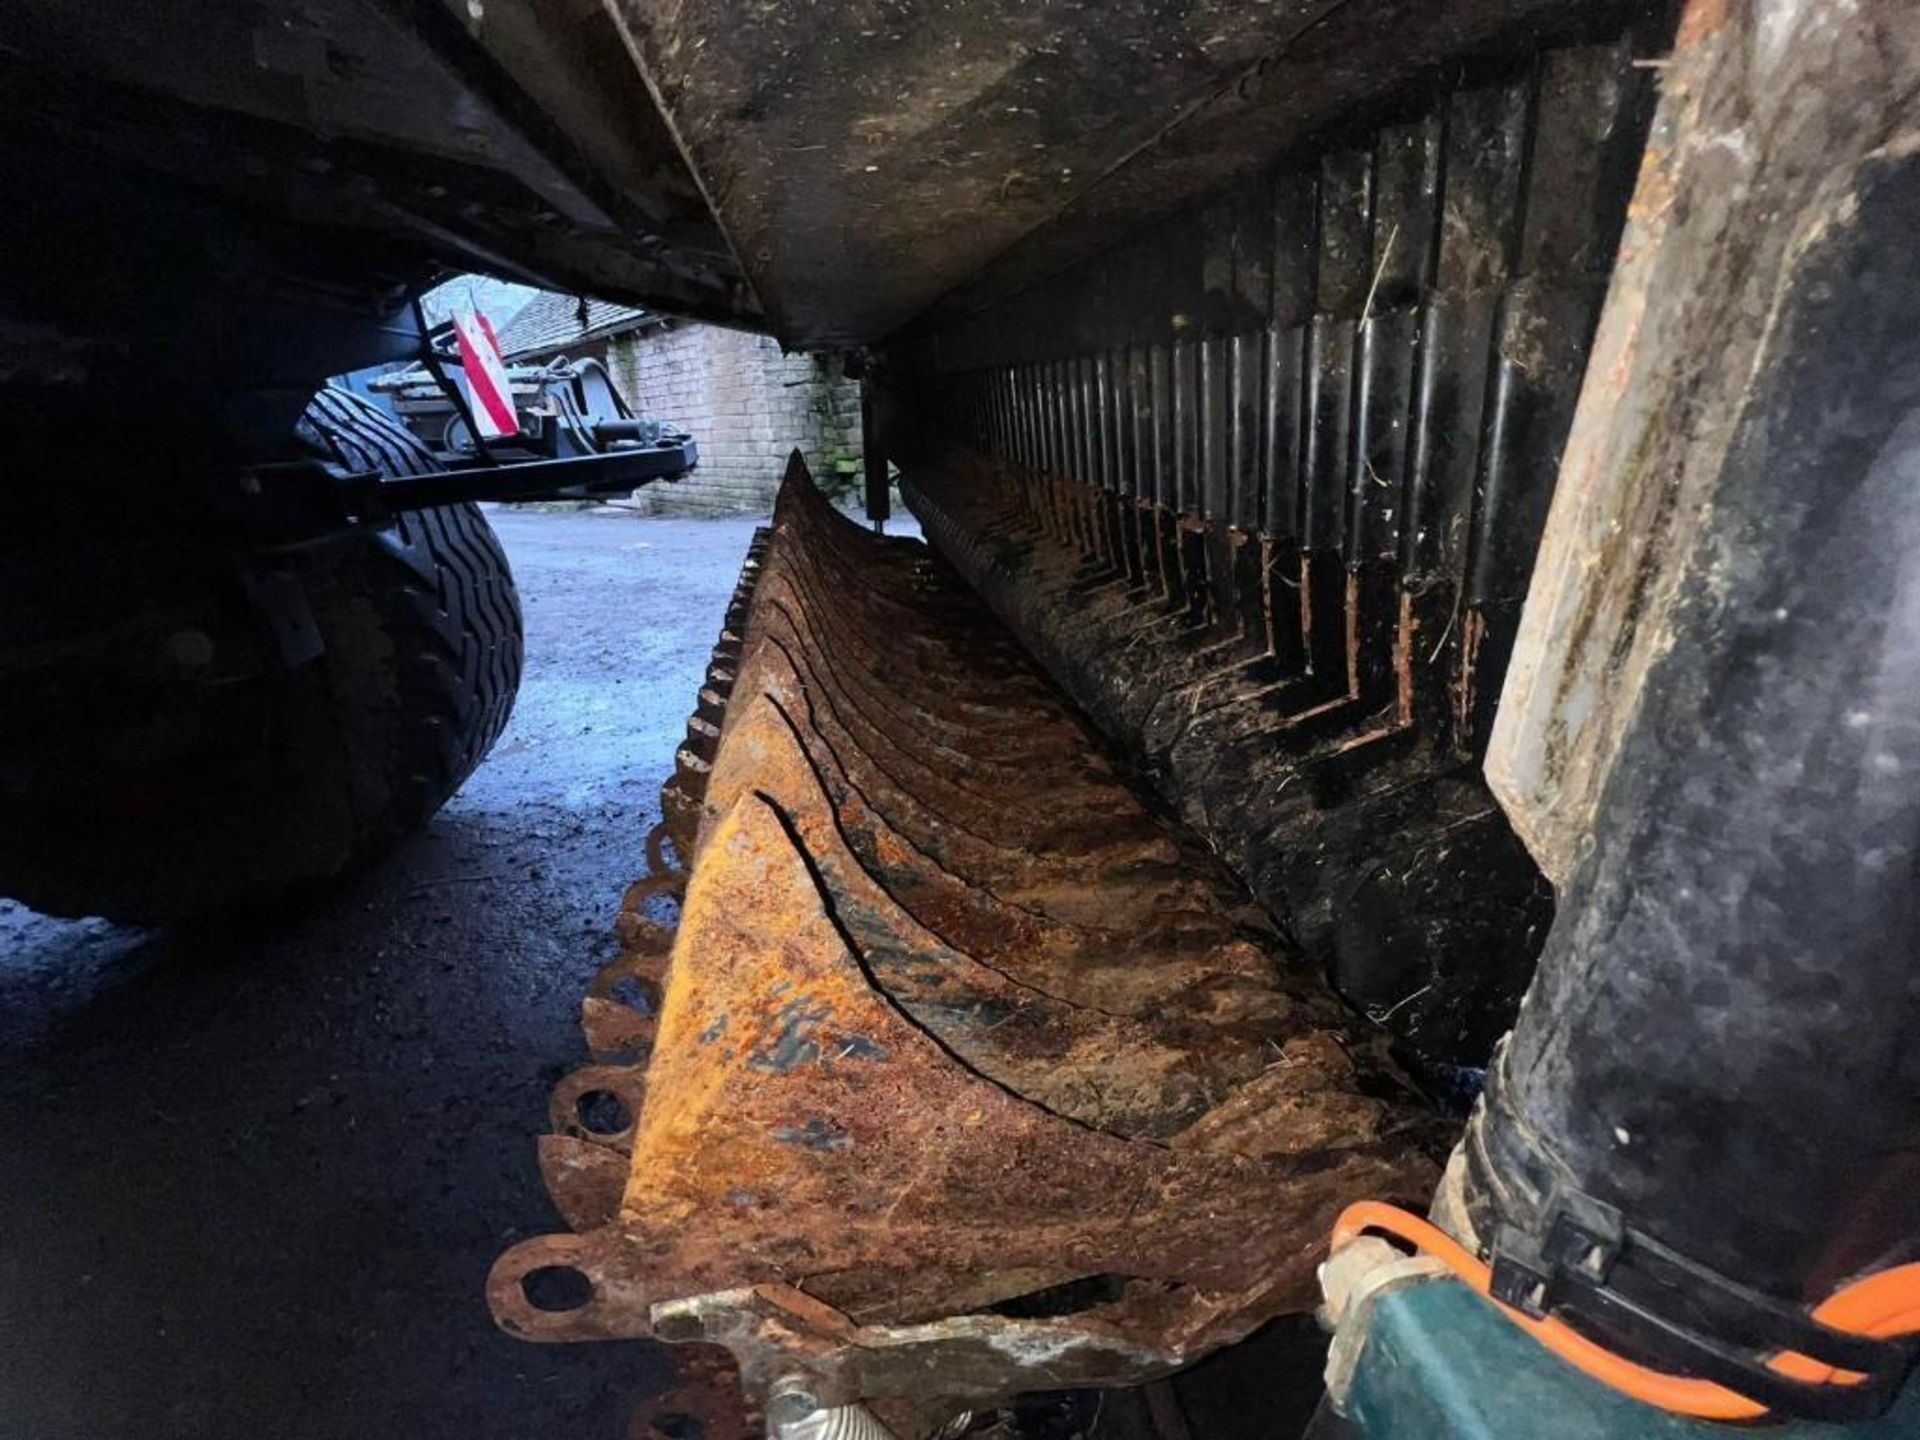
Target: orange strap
<point>1881,1305</point>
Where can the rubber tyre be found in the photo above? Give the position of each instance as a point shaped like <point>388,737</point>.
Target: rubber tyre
<point>424,653</point>
<point>297,776</point>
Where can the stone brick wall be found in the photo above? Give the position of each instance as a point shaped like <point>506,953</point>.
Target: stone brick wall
<point>747,406</point>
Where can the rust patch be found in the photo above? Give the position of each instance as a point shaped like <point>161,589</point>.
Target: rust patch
<point>1405,635</point>
<point>1473,630</point>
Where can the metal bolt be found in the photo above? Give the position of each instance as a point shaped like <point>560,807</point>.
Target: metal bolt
<point>790,1400</point>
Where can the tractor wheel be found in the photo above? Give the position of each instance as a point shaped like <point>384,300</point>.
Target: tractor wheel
<point>183,770</point>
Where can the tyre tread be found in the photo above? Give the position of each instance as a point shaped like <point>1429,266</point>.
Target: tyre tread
<point>447,594</point>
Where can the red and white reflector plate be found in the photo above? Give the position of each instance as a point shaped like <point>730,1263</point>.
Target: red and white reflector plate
<point>489,393</point>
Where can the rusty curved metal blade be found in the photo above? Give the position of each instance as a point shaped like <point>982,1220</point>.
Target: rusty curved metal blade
<point>796,1120</point>
<point>950,1020</point>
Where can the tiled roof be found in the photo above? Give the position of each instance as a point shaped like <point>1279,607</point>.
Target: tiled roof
<point>550,322</point>
<point>499,300</point>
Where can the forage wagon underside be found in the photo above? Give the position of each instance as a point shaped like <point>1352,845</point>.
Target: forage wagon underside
<point>1391,788</point>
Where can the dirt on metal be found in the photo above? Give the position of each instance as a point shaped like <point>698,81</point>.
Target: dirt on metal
<point>963,1073</point>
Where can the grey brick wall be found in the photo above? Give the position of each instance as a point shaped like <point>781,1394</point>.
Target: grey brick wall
<point>747,406</point>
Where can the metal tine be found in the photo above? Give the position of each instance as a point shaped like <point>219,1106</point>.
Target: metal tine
<point>1169,910</point>
<point>1097,1067</point>
<point>1154,889</point>
<point>1122,479</point>
<point>1137,456</point>
<point>1154,426</point>
<point>942,871</point>
<point>680,796</point>
<point>1423,358</point>
<point>1236,274</point>
<point>1144,852</point>
<point>982,786</point>
<point>1341,278</point>
<point>1349,647</point>
<point>927,609</point>
<point>1403,233</point>
<point>1008,738</point>
<point>1486,144</point>
<point>872,664</point>
<point>1012,821</point>
<point>1590,108</point>
<point>1295,206</point>
<point>1170,710</point>
<point>1397,647</point>
<point>1186,680</point>
<point>1064,584</point>
<point>1095,337</point>
<point>1247,412</point>
<point>998,696</point>
<point>1086,461</point>
<point>1066,581</point>
<point>1213,419</point>
<point>1377,230</point>
<point>1060,463</point>
<point>1031,727</point>
<point>925,592</point>
<point>1063,581</point>
<point>1185,452</point>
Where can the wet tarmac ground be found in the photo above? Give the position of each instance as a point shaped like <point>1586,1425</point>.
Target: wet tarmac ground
<point>251,1179</point>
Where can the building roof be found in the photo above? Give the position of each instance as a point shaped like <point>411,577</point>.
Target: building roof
<point>551,322</point>
<point>499,300</point>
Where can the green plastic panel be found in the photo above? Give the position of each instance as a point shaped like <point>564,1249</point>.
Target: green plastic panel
<point>1441,1364</point>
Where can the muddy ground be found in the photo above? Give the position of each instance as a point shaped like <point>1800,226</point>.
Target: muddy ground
<point>251,1179</point>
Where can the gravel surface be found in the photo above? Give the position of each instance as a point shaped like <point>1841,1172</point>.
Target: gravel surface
<point>253,1177</point>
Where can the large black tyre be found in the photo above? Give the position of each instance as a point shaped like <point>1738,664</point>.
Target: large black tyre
<point>445,599</point>
<point>149,806</point>
<point>424,649</point>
